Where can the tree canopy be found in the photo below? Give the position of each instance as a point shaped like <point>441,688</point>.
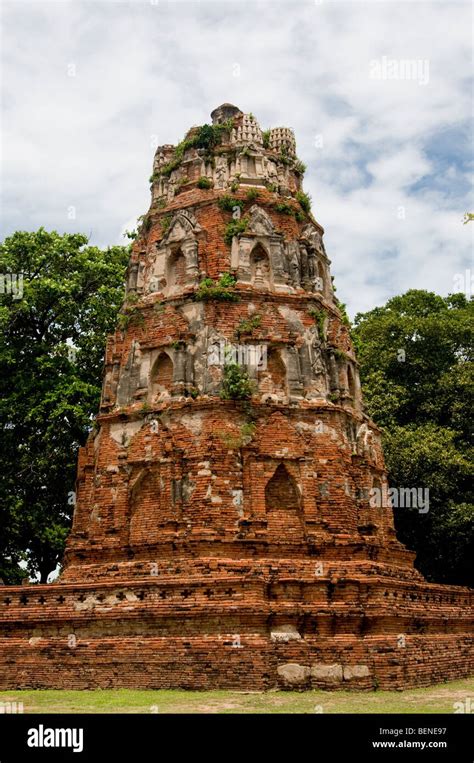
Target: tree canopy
<point>416,365</point>
<point>52,342</point>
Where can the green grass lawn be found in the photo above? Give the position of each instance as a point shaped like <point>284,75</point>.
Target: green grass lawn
<point>435,699</point>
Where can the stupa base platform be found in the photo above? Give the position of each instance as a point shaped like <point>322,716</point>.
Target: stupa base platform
<point>251,631</point>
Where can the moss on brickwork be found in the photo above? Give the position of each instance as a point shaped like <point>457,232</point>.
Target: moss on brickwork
<point>223,289</point>
<point>234,228</point>
<point>236,384</point>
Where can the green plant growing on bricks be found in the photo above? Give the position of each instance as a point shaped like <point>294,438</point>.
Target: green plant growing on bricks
<point>234,228</point>
<point>207,137</point>
<point>344,316</point>
<point>204,183</point>
<point>229,203</point>
<point>284,208</point>
<point>252,194</point>
<point>222,290</point>
<point>319,318</point>
<point>247,431</point>
<point>234,441</point>
<point>168,168</point>
<point>180,184</point>
<point>236,384</point>
<point>129,316</point>
<point>144,222</point>
<point>304,200</point>
<point>247,326</point>
<point>165,222</point>
<point>283,157</point>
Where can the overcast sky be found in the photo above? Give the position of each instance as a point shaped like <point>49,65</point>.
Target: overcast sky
<point>90,88</point>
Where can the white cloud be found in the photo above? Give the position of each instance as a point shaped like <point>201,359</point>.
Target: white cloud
<point>148,71</point>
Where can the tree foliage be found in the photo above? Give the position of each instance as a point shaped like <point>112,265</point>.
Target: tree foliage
<point>416,356</point>
<point>52,343</point>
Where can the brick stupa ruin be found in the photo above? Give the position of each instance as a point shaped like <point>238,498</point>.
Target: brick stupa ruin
<point>223,542</point>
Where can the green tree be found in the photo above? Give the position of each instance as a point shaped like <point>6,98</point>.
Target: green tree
<point>417,373</point>
<point>52,342</point>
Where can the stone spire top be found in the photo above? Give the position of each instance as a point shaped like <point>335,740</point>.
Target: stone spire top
<point>224,112</point>
<point>232,151</point>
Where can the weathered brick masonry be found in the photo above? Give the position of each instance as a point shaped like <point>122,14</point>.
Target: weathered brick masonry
<point>222,542</point>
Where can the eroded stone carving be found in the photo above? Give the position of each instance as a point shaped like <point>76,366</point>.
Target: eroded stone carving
<point>313,262</point>
<point>260,222</point>
<point>129,375</point>
<point>317,363</point>
<point>221,173</point>
<point>175,264</point>
<point>365,442</point>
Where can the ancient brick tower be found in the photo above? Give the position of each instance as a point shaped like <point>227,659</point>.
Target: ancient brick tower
<point>223,534</point>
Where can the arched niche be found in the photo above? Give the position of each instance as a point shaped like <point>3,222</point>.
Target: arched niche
<point>161,376</point>
<point>274,378</point>
<point>250,166</point>
<point>320,282</point>
<point>175,264</point>
<point>145,507</point>
<point>260,267</point>
<point>314,263</point>
<point>258,254</point>
<point>377,484</point>
<point>175,271</point>
<point>351,382</point>
<point>283,507</point>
